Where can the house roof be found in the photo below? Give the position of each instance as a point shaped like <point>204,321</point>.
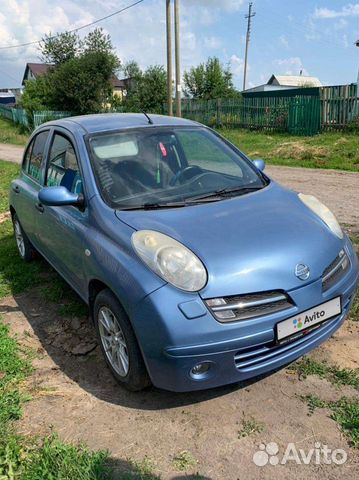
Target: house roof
<point>117,83</point>
<point>294,80</point>
<point>38,69</point>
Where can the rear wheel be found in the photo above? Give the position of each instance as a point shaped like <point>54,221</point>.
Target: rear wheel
<point>25,249</point>
<point>118,342</point>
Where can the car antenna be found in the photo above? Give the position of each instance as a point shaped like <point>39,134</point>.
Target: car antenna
<point>150,121</point>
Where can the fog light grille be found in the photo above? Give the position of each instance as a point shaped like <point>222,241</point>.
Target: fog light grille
<point>244,307</point>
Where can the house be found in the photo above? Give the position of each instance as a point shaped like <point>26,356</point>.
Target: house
<point>285,82</point>
<point>7,98</point>
<point>34,70</point>
<point>10,95</point>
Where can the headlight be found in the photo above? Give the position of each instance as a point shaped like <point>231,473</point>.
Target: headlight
<point>323,212</point>
<point>170,259</point>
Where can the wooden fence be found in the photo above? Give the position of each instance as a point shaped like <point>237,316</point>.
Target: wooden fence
<point>339,106</point>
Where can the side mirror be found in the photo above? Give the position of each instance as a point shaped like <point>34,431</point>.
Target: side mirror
<point>260,164</point>
<point>59,196</point>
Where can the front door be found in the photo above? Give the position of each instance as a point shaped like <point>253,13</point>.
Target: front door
<point>63,230</point>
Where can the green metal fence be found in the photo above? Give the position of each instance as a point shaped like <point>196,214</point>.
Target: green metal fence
<point>19,116</point>
<point>239,112</point>
<point>300,111</point>
<point>48,115</point>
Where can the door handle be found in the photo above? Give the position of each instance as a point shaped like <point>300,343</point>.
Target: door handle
<point>39,207</point>
<point>16,188</point>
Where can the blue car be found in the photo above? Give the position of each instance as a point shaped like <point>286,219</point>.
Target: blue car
<point>198,269</point>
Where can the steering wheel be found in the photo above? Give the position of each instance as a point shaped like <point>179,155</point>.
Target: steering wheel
<point>185,174</point>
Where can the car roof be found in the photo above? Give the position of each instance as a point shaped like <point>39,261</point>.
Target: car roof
<point>116,121</point>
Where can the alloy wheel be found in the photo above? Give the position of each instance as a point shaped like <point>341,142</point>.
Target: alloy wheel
<point>113,341</point>
<point>19,238</point>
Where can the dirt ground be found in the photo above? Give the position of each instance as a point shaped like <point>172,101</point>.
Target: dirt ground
<point>75,395</point>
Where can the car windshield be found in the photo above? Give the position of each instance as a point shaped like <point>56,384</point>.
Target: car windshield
<point>159,167</point>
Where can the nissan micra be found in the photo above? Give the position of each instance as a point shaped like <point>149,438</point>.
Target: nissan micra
<point>198,269</point>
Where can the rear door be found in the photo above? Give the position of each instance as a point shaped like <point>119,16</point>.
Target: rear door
<point>27,186</point>
<point>62,230</point>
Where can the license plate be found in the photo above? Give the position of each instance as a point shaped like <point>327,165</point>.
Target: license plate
<point>299,324</point>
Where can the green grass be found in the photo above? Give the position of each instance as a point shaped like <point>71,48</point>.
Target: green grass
<point>250,426</point>
<point>326,150</point>
<point>8,171</point>
<point>339,376</point>
<point>11,133</point>
<point>26,457</point>
<point>184,461</point>
<point>31,458</point>
<point>13,369</point>
<point>15,276</point>
<point>344,411</point>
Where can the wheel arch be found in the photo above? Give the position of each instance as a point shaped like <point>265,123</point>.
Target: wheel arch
<point>12,211</point>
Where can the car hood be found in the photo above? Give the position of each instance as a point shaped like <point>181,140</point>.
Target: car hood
<point>249,243</point>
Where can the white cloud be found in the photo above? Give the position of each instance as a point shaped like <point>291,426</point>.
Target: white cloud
<point>350,10</point>
<point>290,66</point>
<point>237,65</point>
<point>138,33</point>
<point>345,40</point>
<point>340,24</point>
<point>213,43</point>
<point>229,5</point>
<point>283,41</point>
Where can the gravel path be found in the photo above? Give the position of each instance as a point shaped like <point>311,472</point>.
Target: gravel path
<point>337,189</point>
<point>11,153</point>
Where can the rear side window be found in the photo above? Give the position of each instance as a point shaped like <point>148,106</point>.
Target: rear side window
<point>63,169</point>
<point>34,155</point>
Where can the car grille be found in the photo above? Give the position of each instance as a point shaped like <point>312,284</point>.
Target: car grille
<point>253,358</point>
<point>244,307</point>
<point>335,271</point>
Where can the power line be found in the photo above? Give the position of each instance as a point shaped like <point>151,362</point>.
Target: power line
<point>76,29</point>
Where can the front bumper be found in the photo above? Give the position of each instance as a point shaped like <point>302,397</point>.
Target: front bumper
<point>177,332</point>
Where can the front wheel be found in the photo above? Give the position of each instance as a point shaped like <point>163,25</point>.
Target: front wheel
<point>24,247</point>
<point>118,342</point>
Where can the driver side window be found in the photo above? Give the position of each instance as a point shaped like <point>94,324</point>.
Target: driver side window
<point>63,169</point>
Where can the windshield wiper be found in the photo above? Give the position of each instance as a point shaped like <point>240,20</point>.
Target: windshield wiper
<point>225,192</point>
<point>155,205</point>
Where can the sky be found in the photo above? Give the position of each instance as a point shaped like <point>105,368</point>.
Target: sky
<point>287,36</point>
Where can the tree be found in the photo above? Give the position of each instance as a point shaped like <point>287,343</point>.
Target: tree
<point>59,49</point>
<point>147,91</point>
<point>80,79</point>
<point>209,80</point>
<point>82,85</point>
<point>35,96</point>
<point>131,69</point>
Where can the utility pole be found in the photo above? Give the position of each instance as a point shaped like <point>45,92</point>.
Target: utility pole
<point>249,17</point>
<point>177,53</point>
<point>169,58</point>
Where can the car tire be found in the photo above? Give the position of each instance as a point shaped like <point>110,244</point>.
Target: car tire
<point>118,342</point>
<point>24,246</point>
